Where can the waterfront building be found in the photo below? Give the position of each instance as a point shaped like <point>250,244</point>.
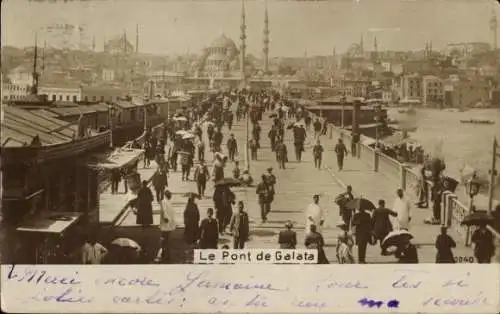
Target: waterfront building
<point>102,93</point>
<point>432,90</point>
<point>14,91</point>
<point>465,93</point>
<point>60,92</point>
<point>359,87</point>
<point>47,192</point>
<point>410,87</point>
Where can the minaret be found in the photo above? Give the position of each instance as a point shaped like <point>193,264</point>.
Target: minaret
<point>93,43</point>
<point>243,36</point>
<point>494,28</point>
<point>124,41</point>
<point>43,55</point>
<point>361,45</point>
<point>137,38</point>
<point>266,41</point>
<point>34,88</point>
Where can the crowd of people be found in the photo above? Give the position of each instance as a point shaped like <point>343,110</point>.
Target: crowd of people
<point>361,225</point>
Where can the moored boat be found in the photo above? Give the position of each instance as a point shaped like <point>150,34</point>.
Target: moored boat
<point>477,121</point>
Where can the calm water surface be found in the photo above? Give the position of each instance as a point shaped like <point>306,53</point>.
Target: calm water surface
<point>441,133</point>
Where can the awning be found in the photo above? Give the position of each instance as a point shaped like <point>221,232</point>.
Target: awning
<point>117,159</point>
<point>49,222</point>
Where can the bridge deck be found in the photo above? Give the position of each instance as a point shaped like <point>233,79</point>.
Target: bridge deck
<point>295,188</point>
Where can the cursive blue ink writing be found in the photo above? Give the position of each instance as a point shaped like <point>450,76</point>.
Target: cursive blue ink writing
<point>218,302</point>
<point>143,282</point>
<point>332,283</point>
<point>36,276</point>
<point>69,295</point>
<point>456,301</point>
<point>158,297</point>
<point>257,301</point>
<point>370,303</point>
<point>393,304</point>
<point>309,304</point>
<point>405,283</point>
<point>457,283</point>
<point>201,280</point>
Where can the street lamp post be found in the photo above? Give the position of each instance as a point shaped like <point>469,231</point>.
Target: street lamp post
<point>110,122</point>
<point>473,186</point>
<point>342,104</point>
<point>493,173</point>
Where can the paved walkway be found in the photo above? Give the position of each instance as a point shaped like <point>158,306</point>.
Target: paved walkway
<point>295,188</point>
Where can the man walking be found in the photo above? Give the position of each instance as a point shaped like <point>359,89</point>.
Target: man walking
<point>271,182</point>
<point>317,154</point>
<point>341,152</point>
<point>281,154</point>
<point>239,226</point>
<point>317,129</point>
<point>262,191</point>
<point>402,208</point>
<point>201,176</point>
<point>315,215</point>
<point>167,225</point>
<point>160,181</point>
<point>232,147</point>
<point>363,232</point>
<point>209,231</point>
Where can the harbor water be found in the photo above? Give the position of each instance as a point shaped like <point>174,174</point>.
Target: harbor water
<point>441,133</point>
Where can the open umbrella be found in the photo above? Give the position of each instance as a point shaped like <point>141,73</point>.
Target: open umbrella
<point>188,136</point>
<point>394,238</point>
<point>477,218</point>
<point>181,132</point>
<point>126,243</point>
<point>230,182</point>
<point>360,203</point>
<point>192,194</point>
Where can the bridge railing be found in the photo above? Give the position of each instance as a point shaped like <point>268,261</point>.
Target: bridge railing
<point>453,211</point>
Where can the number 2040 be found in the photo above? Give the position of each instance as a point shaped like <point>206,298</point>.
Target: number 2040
<point>464,259</point>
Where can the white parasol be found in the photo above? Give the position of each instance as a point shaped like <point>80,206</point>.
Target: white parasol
<point>187,136</point>
<point>181,118</point>
<point>181,132</point>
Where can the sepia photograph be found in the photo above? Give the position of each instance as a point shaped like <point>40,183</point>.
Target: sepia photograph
<point>218,132</point>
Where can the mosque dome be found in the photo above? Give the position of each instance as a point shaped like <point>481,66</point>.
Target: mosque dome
<point>223,42</point>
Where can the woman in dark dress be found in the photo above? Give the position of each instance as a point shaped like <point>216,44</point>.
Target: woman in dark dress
<point>314,240</point>
<point>381,223</point>
<point>444,244</point>
<point>191,221</point>
<point>406,253</point>
<point>484,247</point>
<point>144,206</point>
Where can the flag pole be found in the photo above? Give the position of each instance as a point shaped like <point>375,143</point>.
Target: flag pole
<point>495,155</point>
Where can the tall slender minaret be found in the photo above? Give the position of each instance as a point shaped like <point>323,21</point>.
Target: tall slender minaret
<point>494,28</point>
<point>361,45</point>
<point>124,41</point>
<point>266,41</point>
<point>93,43</point>
<point>137,38</point>
<point>43,55</point>
<point>34,88</point>
<point>243,37</point>
<point>375,45</point>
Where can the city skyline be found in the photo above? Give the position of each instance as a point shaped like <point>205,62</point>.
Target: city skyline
<point>174,27</point>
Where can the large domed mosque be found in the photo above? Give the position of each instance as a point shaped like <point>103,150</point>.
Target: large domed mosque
<point>220,59</point>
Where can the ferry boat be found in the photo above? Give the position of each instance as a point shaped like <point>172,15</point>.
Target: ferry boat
<point>477,121</point>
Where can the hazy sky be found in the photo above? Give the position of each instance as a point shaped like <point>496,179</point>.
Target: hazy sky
<point>174,27</point>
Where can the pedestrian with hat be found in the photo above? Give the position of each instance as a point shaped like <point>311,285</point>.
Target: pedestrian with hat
<point>287,238</point>
<point>315,215</point>
<point>232,147</point>
<point>271,182</point>
<point>240,227</point>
